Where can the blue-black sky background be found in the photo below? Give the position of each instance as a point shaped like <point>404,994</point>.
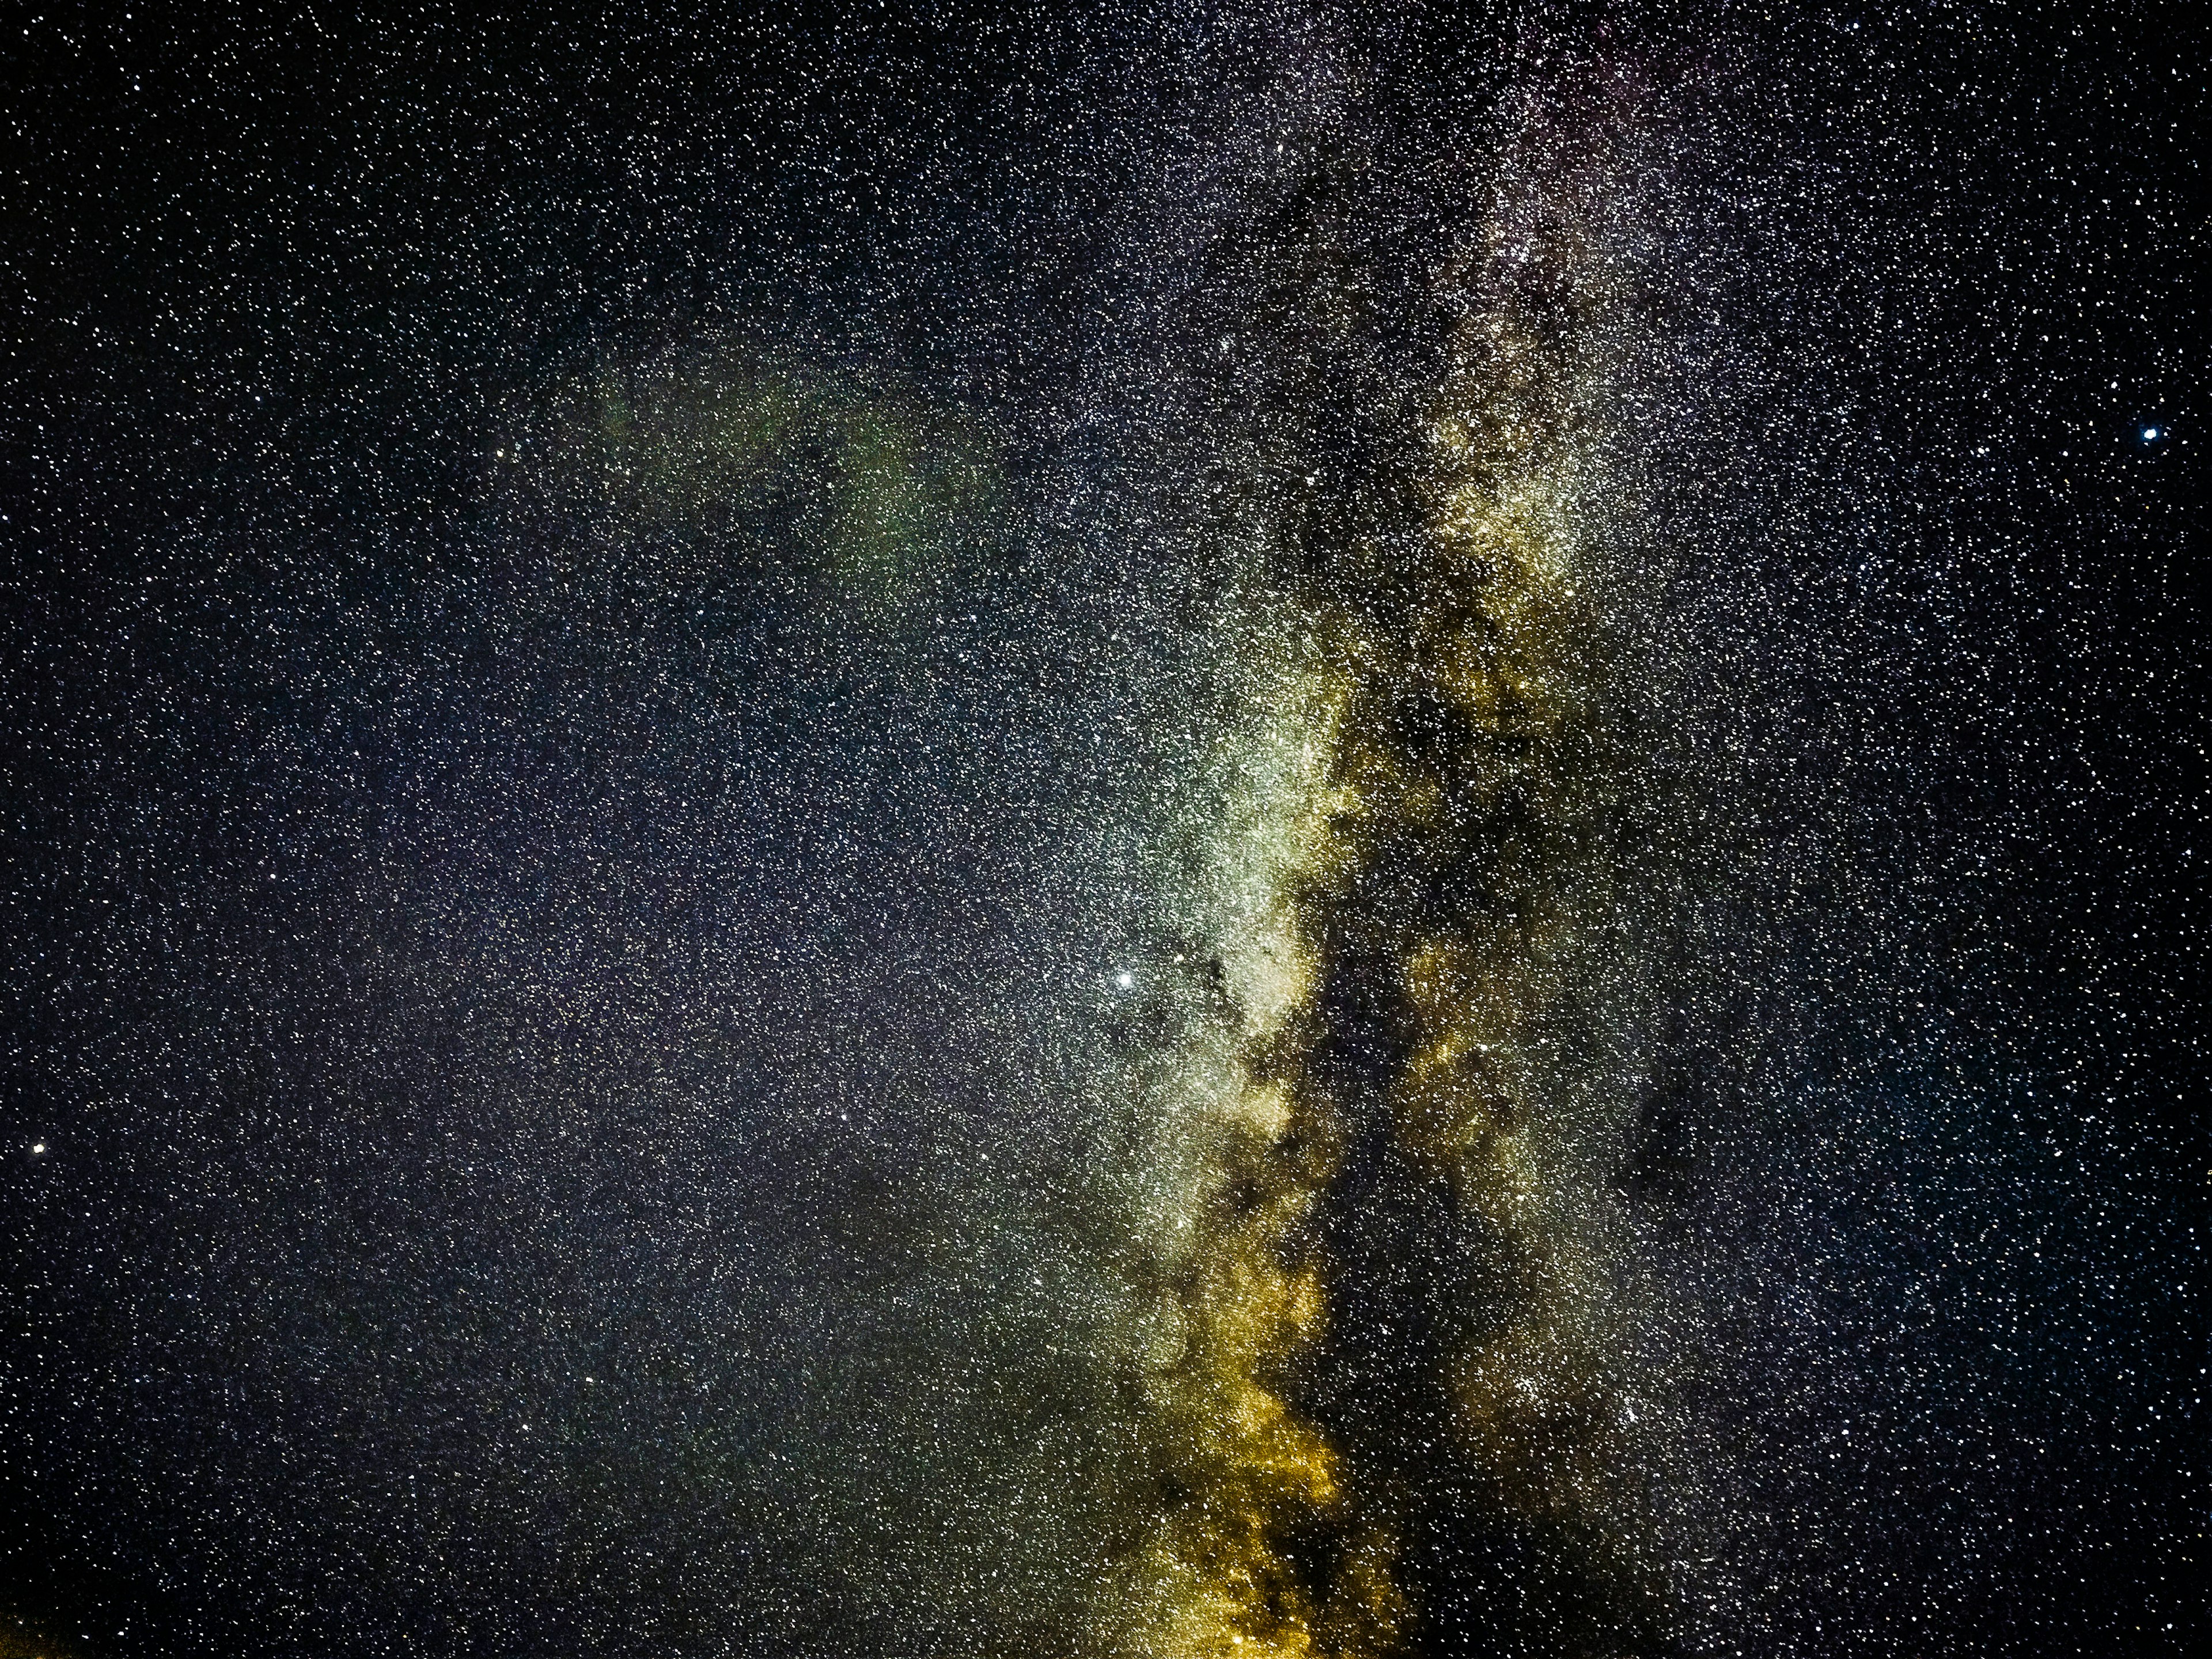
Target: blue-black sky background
<point>564,1069</point>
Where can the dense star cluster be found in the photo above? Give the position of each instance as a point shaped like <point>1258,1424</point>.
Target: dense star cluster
<point>1128,832</point>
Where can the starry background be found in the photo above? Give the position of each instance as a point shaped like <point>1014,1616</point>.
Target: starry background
<point>612,627</point>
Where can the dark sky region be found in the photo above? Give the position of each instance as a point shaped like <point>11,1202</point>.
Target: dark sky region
<point>1126,832</point>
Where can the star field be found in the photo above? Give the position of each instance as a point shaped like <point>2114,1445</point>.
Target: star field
<point>1177,832</point>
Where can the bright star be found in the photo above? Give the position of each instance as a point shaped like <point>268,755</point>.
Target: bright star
<point>2150,435</point>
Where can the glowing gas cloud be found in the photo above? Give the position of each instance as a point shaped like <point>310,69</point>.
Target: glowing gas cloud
<point>1410,929</point>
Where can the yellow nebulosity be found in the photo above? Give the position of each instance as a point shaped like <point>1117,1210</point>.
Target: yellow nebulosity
<point>1238,1467</point>
<point>1514,639</point>
<point>1495,619</point>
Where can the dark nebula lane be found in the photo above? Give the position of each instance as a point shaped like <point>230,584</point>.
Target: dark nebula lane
<point>1334,831</point>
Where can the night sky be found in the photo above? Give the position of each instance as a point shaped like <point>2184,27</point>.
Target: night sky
<point>1096,832</point>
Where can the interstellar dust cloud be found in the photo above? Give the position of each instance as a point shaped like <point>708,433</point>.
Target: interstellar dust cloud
<point>1216,832</point>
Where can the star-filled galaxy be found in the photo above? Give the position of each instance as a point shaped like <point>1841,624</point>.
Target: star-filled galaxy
<point>1288,830</point>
